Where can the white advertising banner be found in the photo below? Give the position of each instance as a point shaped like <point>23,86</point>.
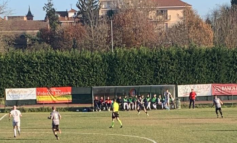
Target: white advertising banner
<point>20,93</point>
<point>200,89</point>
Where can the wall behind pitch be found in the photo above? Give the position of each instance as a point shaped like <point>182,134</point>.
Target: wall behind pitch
<point>82,95</point>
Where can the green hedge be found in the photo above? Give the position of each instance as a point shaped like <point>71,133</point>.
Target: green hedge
<point>47,109</point>
<point>123,67</point>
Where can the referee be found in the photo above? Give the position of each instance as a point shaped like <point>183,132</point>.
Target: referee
<point>115,114</point>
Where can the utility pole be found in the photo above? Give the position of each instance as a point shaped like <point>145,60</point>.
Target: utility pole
<point>112,38</point>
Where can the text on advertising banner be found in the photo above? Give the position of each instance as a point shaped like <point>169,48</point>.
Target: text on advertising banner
<point>224,89</point>
<point>20,93</point>
<point>200,89</point>
<point>54,95</point>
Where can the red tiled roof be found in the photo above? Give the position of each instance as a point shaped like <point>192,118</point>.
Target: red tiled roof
<point>72,10</point>
<point>20,25</point>
<point>170,3</point>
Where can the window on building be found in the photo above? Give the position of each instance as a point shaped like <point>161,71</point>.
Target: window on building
<point>104,5</point>
<point>161,12</point>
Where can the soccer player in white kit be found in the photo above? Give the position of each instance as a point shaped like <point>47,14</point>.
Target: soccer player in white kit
<point>16,114</point>
<point>217,102</point>
<point>55,117</point>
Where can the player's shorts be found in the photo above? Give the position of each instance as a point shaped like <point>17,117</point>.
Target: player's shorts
<point>14,123</point>
<point>55,127</point>
<point>218,108</point>
<point>141,106</point>
<point>115,115</point>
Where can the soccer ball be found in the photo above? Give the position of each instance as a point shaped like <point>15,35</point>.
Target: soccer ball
<point>77,110</point>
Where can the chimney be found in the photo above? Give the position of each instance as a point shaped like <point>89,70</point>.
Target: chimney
<point>5,17</point>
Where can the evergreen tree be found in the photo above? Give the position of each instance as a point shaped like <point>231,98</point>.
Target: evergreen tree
<point>89,11</point>
<point>51,15</point>
<point>233,2</point>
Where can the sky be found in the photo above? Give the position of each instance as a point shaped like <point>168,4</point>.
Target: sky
<point>20,7</point>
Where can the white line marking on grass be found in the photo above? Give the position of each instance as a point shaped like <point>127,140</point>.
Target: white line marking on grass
<point>131,136</point>
<point>3,117</point>
<point>120,135</point>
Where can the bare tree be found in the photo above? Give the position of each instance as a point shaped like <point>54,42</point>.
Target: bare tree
<point>3,10</point>
<point>191,30</point>
<point>133,29</point>
<point>135,24</point>
<point>70,37</point>
<point>3,7</point>
<point>224,25</point>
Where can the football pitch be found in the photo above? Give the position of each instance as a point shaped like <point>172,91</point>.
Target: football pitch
<point>174,126</point>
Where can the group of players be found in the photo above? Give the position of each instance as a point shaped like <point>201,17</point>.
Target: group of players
<point>56,117</point>
<point>131,102</point>
<point>16,115</point>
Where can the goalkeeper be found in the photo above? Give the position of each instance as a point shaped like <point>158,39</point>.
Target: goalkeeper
<point>115,114</point>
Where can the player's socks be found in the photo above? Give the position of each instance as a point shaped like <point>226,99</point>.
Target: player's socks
<point>221,115</point>
<point>112,125</point>
<point>19,131</point>
<point>138,112</point>
<point>56,136</point>
<point>120,122</point>
<point>14,132</point>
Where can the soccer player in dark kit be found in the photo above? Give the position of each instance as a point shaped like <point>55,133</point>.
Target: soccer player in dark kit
<point>140,106</point>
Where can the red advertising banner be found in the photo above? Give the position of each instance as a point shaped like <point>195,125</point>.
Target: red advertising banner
<point>54,95</point>
<point>224,89</point>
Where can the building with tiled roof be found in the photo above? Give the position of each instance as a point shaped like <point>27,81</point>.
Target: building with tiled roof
<point>18,26</point>
<point>29,15</point>
<point>22,24</point>
<point>170,3</point>
<point>165,13</point>
<point>72,10</point>
<point>67,17</point>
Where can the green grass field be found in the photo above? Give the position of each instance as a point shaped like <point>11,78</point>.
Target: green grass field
<point>174,126</point>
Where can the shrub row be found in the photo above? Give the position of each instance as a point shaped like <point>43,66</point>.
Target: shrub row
<point>48,109</point>
<point>123,67</point>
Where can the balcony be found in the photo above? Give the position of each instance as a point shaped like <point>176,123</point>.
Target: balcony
<point>161,18</point>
